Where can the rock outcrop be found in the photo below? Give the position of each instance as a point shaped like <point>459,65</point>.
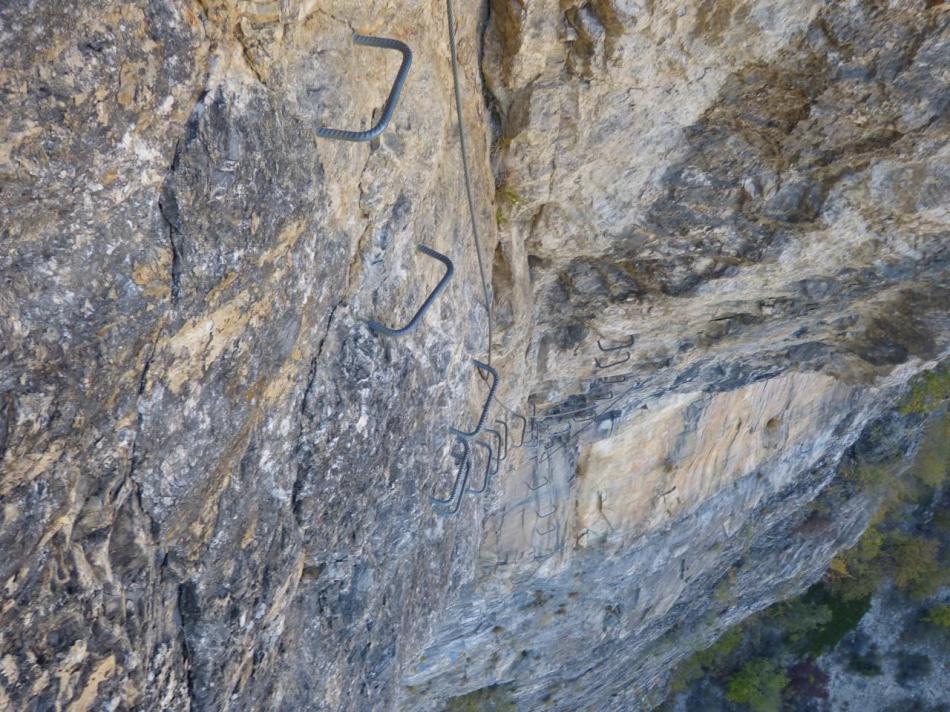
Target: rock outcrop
<point>716,235</point>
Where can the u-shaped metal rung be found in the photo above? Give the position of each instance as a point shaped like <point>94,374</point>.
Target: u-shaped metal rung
<point>546,514</point>
<point>627,345</point>
<point>614,379</point>
<point>547,531</point>
<point>390,106</point>
<point>535,488</point>
<point>488,468</point>
<point>534,441</point>
<point>586,414</point>
<point>615,363</point>
<point>458,488</point>
<point>524,428</point>
<point>557,547</point>
<point>504,426</point>
<point>414,322</point>
<point>498,448</point>
<point>491,394</point>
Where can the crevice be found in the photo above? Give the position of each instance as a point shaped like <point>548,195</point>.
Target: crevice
<point>297,487</point>
<point>175,269</point>
<point>182,601</point>
<point>342,21</point>
<point>311,377</point>
<point>249,61</point>
<point>7,418</point>
<point>134,452</point>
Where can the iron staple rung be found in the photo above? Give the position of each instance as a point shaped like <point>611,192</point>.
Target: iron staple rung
<point>379,328</point>
<point>618,347</point>
<point>390,106</point>
<point>458,488</point>
<point>488,469</point>
<point>491,394</point>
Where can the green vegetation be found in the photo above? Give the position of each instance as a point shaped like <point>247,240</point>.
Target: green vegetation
<point>928,393</point>
<point>869,476</point>
<point>866,663</point>
<point>843,616</point>
<point>496,698</point>
<point>758,684</point>
<point>771,655</point>
<point>797,620</point>
<point>887,550</point>
<point>913,560</point>
<point>786,635</point>
<point>912,667</point>
<point>933,459</point>
<point>938,615</point>
<point>708,660</point>
<point>505,200</point>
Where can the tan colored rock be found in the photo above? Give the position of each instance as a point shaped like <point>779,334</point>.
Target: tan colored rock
<point>215,479</point>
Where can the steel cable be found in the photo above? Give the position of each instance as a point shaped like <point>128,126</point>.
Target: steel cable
<point>463,147</point>
<point>469,191</point>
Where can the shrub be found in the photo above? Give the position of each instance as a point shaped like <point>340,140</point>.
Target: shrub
<point>912,667</point>
<point>798,619</point>
<point>807,681</point>
<point>843,616</point>
<point>911,561</point>
<point>758,684</point>
<point>933,459</point>
<point>928,392</point>
<point>867,663</point>
<point>914,564</point>
<point>712,659</point>
<point>496,698</point>
<point>870,476</point>
<point>938,615</point>
<point>856,573</point>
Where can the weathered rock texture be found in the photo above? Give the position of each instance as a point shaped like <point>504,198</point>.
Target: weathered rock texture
<point>215,479</point>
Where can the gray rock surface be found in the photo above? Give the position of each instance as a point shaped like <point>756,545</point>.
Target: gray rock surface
<point>886,638</point>
<point>215,480</point>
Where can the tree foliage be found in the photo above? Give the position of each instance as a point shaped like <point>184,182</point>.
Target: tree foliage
<point>758,684</point>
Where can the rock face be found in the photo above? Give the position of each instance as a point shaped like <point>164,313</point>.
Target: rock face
<point>716,235</point>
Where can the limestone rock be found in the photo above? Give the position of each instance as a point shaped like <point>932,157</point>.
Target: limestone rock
<point>716,235</point>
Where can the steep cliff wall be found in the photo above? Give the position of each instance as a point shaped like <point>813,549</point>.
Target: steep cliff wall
<point>215,478</point>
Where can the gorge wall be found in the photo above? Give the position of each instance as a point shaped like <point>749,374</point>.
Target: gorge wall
<point>215,479</point>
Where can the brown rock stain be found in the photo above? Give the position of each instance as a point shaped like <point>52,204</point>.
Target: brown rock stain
<point>202,341</point>
<point>679,464</point>
<point>714,17</point>
<point>100,672</point>
<point>152,277</point>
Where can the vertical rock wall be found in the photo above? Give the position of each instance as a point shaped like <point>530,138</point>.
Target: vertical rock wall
<point>717,237</point>
<point>215,478</point>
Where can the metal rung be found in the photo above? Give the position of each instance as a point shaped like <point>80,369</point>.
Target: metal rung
<point>390,106</point>
<point>618,347</point>
<point>414,322</point>
<point>491,393</point>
